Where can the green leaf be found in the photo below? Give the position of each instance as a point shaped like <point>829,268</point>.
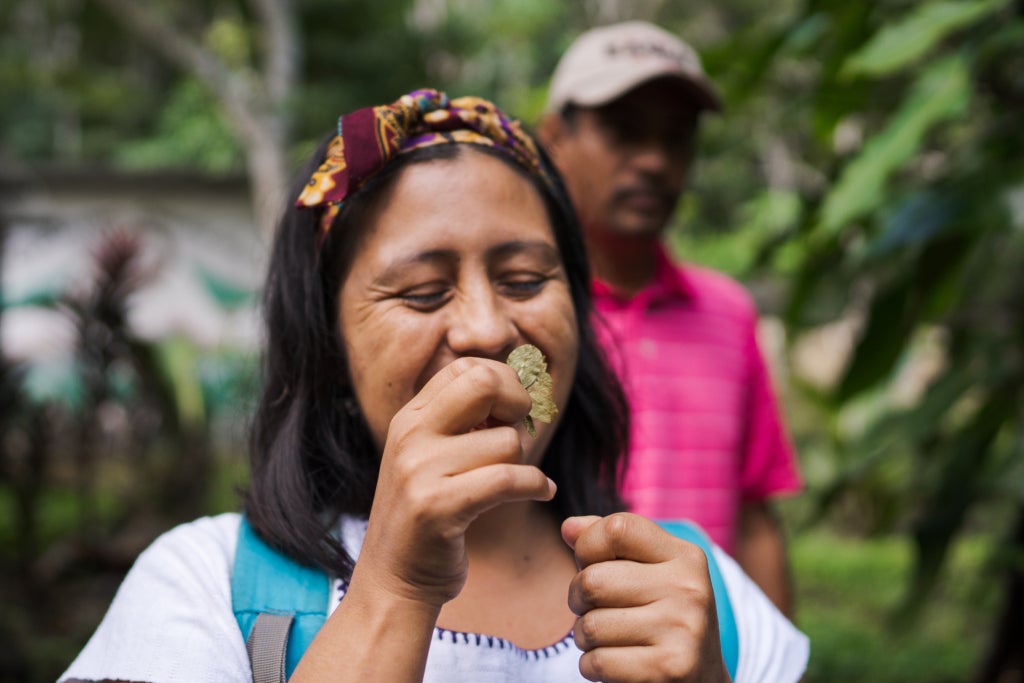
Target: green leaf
<point>895,313</point>
<point>176,359</point>
<point>963,467</point>
<point>889,325</point>
<point>228,38</point>
<point>529,363</point>
<point>191,133</point>
<point>43,297</point>
<point>816,294</point>
<point>543,408</point>
<point>919,219</point>
<point>941,93</point>
<point>227,294</point>
<point>901,44</point>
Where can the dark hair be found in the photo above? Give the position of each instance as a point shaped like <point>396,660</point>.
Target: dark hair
<point>569,113</point>
<point>311,453</point>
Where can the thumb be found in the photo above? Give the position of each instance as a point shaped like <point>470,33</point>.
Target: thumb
<point>572,527</point>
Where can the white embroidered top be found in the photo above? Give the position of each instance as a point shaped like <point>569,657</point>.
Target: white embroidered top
<point>171,621</point>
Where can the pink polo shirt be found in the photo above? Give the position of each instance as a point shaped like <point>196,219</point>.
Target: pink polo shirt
<point>706,432</point>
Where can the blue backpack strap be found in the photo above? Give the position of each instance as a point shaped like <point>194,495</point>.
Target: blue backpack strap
<point>264,581</point>
<point>726,619</point>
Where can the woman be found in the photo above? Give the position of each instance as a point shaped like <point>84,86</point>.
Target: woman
<point>389,450</point>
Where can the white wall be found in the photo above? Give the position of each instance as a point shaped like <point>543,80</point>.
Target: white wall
<point>188,226</point>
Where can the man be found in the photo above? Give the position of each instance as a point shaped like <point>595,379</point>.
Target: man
<point>708,444</point>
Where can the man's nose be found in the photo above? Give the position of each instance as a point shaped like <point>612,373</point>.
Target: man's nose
<point>652,155</point>
<point>481,325</point>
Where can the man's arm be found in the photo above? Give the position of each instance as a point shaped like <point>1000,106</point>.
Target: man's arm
<point>761,552</point>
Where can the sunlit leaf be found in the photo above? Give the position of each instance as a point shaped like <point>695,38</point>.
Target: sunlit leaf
<point>941,93</point>
<point>902,43</point>
<point>229,39</point>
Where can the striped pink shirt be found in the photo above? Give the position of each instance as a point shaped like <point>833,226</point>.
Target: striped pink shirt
<point>706,432</point>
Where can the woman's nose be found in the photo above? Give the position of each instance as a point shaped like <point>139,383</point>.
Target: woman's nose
<point>482,326</point>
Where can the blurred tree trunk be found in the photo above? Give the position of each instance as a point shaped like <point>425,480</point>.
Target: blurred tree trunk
<point>1005,660</point>
<point>253,98</point>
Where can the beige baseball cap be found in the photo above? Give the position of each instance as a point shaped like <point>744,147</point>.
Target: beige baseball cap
<point>605,63</point>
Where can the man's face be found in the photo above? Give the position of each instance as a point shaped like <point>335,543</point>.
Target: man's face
<point>626,163</point>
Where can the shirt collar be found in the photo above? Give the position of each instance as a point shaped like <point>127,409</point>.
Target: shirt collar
<point>669,282</point>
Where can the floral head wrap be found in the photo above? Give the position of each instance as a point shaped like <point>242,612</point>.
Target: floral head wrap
<point>369,139</point>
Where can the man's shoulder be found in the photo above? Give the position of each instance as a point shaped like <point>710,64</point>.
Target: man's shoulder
<point>714,290</point>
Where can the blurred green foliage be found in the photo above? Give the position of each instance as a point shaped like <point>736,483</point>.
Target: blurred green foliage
<point>845,593</point>
<point>867,175</point>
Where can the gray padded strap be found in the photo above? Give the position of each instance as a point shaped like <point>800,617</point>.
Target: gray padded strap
<point>267,646</point>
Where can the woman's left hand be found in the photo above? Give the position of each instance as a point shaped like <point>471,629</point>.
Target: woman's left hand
<point>645,606</point>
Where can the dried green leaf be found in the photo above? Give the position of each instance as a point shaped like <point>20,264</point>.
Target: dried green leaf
<point>530,365</point>
<point>544,408</point>
<point>528,362</point>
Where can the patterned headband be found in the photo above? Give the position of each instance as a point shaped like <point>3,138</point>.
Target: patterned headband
<point>369,139</point>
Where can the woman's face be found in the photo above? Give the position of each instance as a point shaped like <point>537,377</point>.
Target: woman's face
<point>458,260</point>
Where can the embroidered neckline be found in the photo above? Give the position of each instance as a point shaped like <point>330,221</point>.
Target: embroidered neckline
<point>496,643</point>
<point>481,639</point>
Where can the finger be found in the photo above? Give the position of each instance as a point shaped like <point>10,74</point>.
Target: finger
<point>439,381</point>
<point>615,627</point>
<point>572,527</point>
<point>482,447</point>
<point>467,392</point>
<point>626,536</point>
<point>451,455</point>
<point>635,663</point>
<point>615,584</point>
<point>628,583</point>
<point>474,492</point>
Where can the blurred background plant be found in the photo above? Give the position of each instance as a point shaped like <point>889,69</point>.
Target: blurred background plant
<point>866,181</point>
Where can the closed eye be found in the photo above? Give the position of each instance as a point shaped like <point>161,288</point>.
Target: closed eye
<point>426,299</point>
<point>523,287</point>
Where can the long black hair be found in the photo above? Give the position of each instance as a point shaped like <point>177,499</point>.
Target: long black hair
<point>311,453</point>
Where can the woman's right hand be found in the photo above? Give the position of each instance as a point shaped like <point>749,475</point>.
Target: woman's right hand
<point>452,453</point>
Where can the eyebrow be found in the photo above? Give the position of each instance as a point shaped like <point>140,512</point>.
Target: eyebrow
<point>547,252</point>
<point>394,270</point>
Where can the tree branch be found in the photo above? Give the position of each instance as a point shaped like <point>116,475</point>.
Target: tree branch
<point>281,48</point>
<point>253,110</point>
<point>139,18</point>
<point>240,101</point>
